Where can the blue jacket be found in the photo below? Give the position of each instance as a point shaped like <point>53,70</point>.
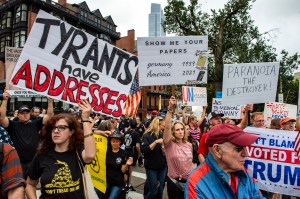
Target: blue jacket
<point>210,181</point>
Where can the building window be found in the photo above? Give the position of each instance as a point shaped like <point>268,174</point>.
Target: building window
<point>6,19</point>
<point>105,38</point>
<point>83,15</point>
<point>21,13</point>
<point>97,21</point>
<point>4,41</point>
<point>19,38</point>
<point>149,101</point>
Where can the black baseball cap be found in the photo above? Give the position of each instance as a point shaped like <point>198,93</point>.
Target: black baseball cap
<point>24,108</point>
<point>214,114</point>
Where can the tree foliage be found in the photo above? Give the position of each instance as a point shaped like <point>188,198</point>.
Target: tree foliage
<point>232,35</point>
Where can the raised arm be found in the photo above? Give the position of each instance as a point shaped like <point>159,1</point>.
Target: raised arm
<point>202,116</point>
<point>167,132</point>
<point>244,123</point>
<point>50,111</point>
<point>184,117</point>
<point>89,151</point>
<point>3,118</point>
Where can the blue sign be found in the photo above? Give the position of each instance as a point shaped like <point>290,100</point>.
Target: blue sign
<point>218,94</point>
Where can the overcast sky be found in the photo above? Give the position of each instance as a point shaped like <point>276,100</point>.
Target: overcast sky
<point>281,16</point>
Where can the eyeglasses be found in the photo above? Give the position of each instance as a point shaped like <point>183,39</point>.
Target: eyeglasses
<point>260,121</point>
<point>60,128</point>
<point>239,148</point>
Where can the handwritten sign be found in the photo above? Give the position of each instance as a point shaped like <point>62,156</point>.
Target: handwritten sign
<point>194,96</point>
<point>278,110</point>
<point>273,162</point>
<point>68,64</point>
<point>233,112</point>
<point>172,60</point>
<point>249,83</point>
<point>12,55</point>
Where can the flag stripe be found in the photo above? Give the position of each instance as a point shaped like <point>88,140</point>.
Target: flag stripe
<point>132,104</point>
<point>297,144</point>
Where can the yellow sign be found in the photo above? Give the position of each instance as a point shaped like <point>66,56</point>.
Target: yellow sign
<point>97,168</point>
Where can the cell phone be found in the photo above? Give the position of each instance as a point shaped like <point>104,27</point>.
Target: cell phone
<point>200,75</point>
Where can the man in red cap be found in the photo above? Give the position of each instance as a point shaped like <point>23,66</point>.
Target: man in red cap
<point>222,175</point>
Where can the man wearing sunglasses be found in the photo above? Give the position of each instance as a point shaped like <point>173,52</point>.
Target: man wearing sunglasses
<point>222,174</point>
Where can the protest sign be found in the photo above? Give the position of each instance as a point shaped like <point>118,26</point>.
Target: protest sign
<point>278,110</point>
<point>97,168</point>
<point>249,83</point>
<point>68,64</point>
<point>12,55</point>
<point>233,112</point>
<point>172,60</point>
<point>273,162</point>
<point>197,110</point>
<point>194,96</point>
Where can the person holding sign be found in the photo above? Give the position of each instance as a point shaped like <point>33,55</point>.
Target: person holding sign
<point>56,164</point>
<point>215,119</point>
<point>223,175</point>
<point>179,154</point>
<point>24,133</point>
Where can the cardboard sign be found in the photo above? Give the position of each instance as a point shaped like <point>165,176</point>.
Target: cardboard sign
<point>249,83</point>
<point>172,60</point>
<point>273,162</point>
<point>233,112</point>
<point>194,96</point>
<point>68,64</point>
<point>278,110</point>
<point>12,55</point>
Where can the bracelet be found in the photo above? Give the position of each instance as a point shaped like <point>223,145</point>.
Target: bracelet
<point>86,121</point>
<point>88,135</point>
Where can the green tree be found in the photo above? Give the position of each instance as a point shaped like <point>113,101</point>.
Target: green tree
<point>286,83</point>
<point>232,35</point>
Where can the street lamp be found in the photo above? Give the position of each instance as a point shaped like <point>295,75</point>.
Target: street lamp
<point>297,76</point>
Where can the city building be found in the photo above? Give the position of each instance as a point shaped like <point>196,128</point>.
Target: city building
<point>156,19</point>
<point>17,18</point>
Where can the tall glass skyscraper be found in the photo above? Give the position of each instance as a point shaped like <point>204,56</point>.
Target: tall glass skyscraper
<point>156,18</point>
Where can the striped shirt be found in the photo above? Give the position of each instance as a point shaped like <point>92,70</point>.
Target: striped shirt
<point>11,172</point>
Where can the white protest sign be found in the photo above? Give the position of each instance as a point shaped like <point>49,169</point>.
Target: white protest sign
<point>172,60</point>
<point>197,110</point>
<point>233,112</point>
<point>12,55</point>
<point>68,64</point>
<point>194,96</point>
<point>249,83</point>
<point>273,162</point>
<point>278,110</point>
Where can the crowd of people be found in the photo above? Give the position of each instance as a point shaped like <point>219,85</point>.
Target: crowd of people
<point>198,156</point>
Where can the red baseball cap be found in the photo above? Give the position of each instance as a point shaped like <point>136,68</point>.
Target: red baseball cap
<point>154,112</point>
<point>285,120</point>
<point>221,133</point>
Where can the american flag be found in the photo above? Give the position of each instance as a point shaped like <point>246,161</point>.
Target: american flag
<point>133,99</point>
<point>297,144</point>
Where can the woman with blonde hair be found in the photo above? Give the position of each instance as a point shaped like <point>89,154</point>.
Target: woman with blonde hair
<point>155,160</point>
<point>179,154</point>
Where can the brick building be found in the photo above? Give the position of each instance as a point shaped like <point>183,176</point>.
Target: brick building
<point>18,16</point>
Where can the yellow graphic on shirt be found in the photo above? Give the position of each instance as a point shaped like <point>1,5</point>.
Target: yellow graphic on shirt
<point>62,181</point>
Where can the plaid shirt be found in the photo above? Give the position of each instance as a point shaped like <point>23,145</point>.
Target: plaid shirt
<point>11,173</point>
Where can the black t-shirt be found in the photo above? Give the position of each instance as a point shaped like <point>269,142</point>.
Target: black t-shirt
<point>155,158</point>
<point>60,174</point>
<point>25,137</point>
<point>124,124</point>
<point>140,129</point>
<point>131,137</point>
<point>114,162</point>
